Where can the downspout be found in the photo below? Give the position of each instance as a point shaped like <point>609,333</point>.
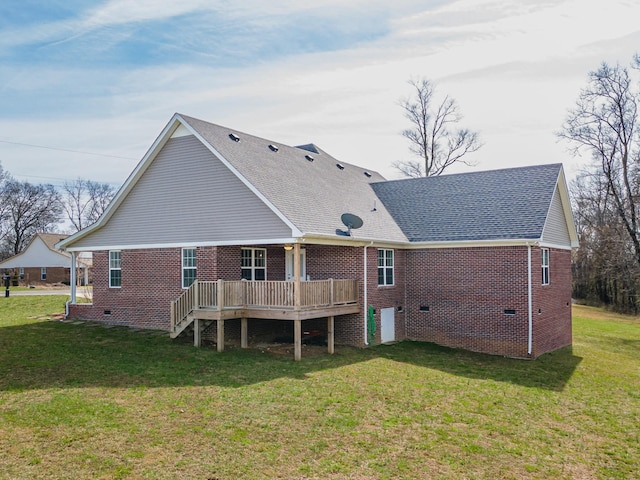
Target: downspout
<point>365,308</point>
<point>530,301</point>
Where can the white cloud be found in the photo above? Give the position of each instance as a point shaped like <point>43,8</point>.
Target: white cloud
<point>513,66</point>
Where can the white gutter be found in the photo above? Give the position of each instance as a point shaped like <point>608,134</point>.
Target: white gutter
<point>530,301</point>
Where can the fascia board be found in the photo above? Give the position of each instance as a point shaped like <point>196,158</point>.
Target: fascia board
<point>359,241</point>
<point>248,242</point>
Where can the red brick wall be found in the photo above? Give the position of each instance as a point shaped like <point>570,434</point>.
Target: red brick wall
<point>32,276</point>
<point>552,328</point>
<point>329,261</point>
<point>467,291</point>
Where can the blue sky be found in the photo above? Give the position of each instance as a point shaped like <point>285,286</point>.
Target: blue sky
<point>104,77</point>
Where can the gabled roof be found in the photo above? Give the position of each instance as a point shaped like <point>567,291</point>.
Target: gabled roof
<point>308,186</point>
<point>308,190</point>
<point>305,187</point>
<point>51,239</point>
<point>508,204</point>
<point>41,252</point>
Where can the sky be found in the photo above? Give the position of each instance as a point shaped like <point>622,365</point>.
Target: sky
<point>86,86</point>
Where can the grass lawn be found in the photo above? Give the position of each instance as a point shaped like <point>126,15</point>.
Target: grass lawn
<point>78,401</point>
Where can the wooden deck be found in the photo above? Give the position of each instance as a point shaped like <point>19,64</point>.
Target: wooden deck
<point>276,300</point>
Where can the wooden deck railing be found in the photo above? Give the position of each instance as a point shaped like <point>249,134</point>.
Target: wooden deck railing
<point>261,294</point>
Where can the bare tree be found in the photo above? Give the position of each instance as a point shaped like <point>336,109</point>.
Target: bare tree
<point>30,209</point>
<point>85,201</point>
<point>433,136</point>
<point>604,123</point>
<point>4,177</point>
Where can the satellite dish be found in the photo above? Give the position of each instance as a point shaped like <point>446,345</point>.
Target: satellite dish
<point>350,221</point>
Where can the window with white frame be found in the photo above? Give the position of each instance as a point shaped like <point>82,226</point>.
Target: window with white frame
<point>43,273</point>
<point>115,269</point>
<point>189,266</point>
<point>385,266</point>
<point>254,263</point>
<point>21,273</point>
<point>545,266</point>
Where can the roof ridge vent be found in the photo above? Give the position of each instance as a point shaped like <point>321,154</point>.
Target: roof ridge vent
<point>309,157</point>
<point>340,166</point>
<point>367,174</point>
<point>234,137</point>
<point>273,148</point>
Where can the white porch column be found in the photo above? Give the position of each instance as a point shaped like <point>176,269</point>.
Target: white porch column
<point>72,277</point>
<point>296,276</point>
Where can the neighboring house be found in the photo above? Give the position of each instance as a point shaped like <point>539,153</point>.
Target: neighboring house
<point>222,233</point>
<point>42,263</point>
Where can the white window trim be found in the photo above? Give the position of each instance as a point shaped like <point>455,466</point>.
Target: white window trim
<point>187,267</point>
<point>43,273</point>
<point>253,267</point>
<point>544,253</point>
<point>387,267</point>
<point>114,268</point>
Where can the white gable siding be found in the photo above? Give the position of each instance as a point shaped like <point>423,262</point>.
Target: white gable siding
<point>555,229</point>
<point>187,195</point>
<point>37,255</point>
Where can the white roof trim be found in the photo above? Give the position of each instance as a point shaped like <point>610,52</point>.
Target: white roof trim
<point>269,241</point>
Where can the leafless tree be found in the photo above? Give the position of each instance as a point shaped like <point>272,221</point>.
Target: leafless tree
<point>434,137</point>
<point>30,209</point>
<point>85,200</point>
<point>604,124</point>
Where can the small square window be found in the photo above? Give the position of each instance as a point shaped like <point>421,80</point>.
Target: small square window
<point>253,264</point>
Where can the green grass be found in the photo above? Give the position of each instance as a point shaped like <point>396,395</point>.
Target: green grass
<point>78,401</point>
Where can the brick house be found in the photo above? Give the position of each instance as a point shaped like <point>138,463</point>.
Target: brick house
<point>41,263</point>
<point>221,233</point>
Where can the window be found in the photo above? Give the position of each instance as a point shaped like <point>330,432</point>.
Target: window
<point>385,267</point>
<point>43,273</point>
<point>21,273</point>
<point>189,268</point>
<point>254,264</point>
<point>115,271</point>
<point>545,266</point>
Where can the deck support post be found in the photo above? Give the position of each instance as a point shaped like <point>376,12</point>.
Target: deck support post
<point>330,335</point>
<point>220,336</point>
<point>244,330</point>
<point>197,340</point>
<point>297,339</point>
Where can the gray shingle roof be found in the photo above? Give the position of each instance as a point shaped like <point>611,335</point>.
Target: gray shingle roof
<point>499,204</point>
<point>311,194</point>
